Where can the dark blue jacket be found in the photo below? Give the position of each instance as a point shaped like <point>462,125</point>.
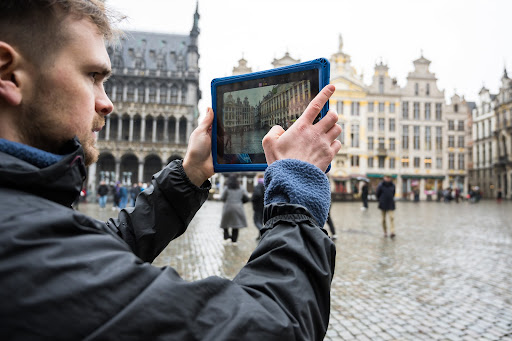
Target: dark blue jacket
<point>386,195</point>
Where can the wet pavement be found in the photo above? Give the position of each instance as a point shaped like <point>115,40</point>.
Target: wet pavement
<point>446,276</point>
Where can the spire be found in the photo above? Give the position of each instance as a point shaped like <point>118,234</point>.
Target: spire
<point>340,42</point>
<point>195,29</point>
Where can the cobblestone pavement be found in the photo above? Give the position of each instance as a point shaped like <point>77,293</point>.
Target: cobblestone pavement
<point>446,276</point>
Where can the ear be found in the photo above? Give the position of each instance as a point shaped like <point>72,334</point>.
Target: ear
<point>9,63</point>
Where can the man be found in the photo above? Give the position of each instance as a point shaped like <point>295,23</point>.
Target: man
<point>67,276</point>
<point>364,196</point>
<point>102,194</point>
<point>386,196</point>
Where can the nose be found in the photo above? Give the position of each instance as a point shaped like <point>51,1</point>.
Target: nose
<point>104,105</point>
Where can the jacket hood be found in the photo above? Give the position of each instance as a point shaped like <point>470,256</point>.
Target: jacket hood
<point>60,182</point>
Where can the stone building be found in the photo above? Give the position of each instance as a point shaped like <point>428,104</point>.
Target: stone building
<point>155,91</point>
<point>502,134</point>
<point>484,144</point>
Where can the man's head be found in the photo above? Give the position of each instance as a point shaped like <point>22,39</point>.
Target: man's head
<point>53,63</point>
<point>387,178</point>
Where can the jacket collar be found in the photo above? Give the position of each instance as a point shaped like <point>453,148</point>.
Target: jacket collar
<point>60,182</point>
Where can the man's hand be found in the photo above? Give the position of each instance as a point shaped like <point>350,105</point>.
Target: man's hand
<point>198,162</point>
<point>304,141</point>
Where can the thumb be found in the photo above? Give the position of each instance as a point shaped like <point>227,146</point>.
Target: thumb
<point>207,120</point>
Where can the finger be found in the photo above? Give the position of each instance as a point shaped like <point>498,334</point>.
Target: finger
<point>334,132</point>
<point>328,121</point>
<point>317,104</point>
<point>207,120</point>
<point>272,135</point>
<point>335,147</point>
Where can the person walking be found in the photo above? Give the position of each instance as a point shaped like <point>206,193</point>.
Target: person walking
<point>364,196</point>
<point>233,215</point>
<point>386,196</point>
<point>258,196</point>
<point>102,192</point>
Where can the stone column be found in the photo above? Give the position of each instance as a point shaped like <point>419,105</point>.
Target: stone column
<point>166,129</point>
<point>107,128</point>
<point>120,128</point>
<point>91,180</point>
<point>141,171</point>
<point>153,139</point>
<point>143,129</point>
<point>157,95</point>
<point>118,170</point>
<point>125,90</point>
<point>179,96</point>
<point>422,189</point>
<point>130,134</point>
<point>177,132</point>
<point>114,92</point>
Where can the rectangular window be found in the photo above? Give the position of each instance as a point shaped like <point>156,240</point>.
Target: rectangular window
<point>460,143</point>
<point>439,112</point>
<point>370,106</point>
<point>451,161</point>
<point>439,163</point>
<point>354,135</point>
<point>428,162</point>
<point>354,108</point>
<point>392,163</point>
<point>427,111</point>
<point>461,162</point>
<point>392,108</point>
<point>382,160</point>
<point>405,161</point>
<point>417,137</point>
<point>381,106</point>
<point>416,110</point>
<point>370,143</point>
<point>382,122</point>
<point>405,137</point>
<point>451,125</point>
<point>391,124</point>
<point>339,107</point>
<point>439,138</point>
<point>416,162</point>
<point>354,159</point>
<point>381,143</point>
<point>451,141</point>
<point>428,138</point>
<point>370,162</point>
<point>392,143</point>
<point>405,110</point>
<point>370,123</point>
<point>461,125</point>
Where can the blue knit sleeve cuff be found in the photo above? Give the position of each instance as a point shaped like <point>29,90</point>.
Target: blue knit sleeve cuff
<point>301,183</point>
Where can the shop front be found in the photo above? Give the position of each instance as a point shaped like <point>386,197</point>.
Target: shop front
<point>421,187</point>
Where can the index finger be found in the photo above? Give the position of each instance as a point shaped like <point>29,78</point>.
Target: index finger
<point>316,105</point>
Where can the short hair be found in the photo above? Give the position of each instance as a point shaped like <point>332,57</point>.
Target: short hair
<point>35,26</point>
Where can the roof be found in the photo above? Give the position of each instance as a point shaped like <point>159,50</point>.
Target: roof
<point>149,50</point>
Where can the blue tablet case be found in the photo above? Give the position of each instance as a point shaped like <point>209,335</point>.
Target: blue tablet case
<point>320,64</point>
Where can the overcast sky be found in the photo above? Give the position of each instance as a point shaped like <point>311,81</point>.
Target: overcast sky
<point>468,41</point>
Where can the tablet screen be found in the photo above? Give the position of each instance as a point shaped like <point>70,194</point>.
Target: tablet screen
<point>247,110</point>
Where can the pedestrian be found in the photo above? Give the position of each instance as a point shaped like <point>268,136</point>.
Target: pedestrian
<point>123,196</point>
<point>134,191</point>
<point>116,192</point>
<point>65,275</point>
<point>457,194</point>
<point>499,197</point>
<point>364,196</point>
<point>386,196</point>
<point>102,193</point>
<point>233,214</point>
<point>257,199</point>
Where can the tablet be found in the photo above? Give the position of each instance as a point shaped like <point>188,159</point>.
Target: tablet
<point>246,106</point>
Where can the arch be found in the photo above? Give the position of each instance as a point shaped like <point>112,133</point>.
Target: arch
<point>106,168</point>
<point>171,128</point>
<point>183,130</point>
<point>148,133</point>
<point>137,123</point>
<point>129,170</point>
<point>125,134</point>
<point>152,165</point>
<point>160,122</point>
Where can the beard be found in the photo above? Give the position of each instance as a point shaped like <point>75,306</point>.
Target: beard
<point>43,130</point>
